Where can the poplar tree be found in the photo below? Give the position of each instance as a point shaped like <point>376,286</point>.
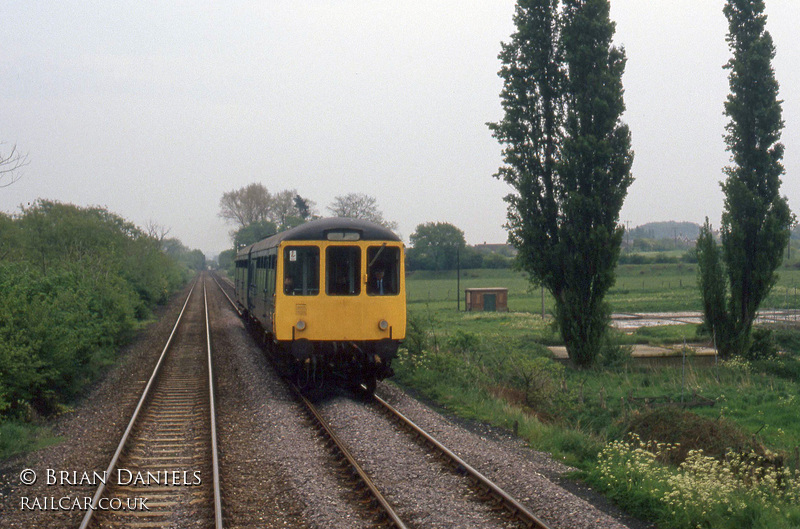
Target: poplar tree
<point>756,220</point>
<point>568,157</point>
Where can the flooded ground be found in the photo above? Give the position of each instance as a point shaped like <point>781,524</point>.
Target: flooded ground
<point>631,321</point>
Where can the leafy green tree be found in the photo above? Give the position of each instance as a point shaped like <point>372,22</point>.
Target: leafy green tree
<point>436,245</point>
<point>568,157</point>
<point>253,233</point>
<point>711,280</point>
<point>8,232</point>
<point>226,260</point>
<point>304,207</point>
<point>756,219</point>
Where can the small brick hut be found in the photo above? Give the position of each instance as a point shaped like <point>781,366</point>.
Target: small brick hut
<point>486,299</point>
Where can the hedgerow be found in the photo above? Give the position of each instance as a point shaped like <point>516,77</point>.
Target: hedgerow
<point>74,283</point>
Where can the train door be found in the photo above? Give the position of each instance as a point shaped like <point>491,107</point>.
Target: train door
<point>251,283</point>
<point>269,290</point>
<point>261,287</point>
<point>490,302</point>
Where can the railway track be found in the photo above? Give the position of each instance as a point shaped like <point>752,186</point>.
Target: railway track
<point>489,490</point>
<point>164,472</point>
<point>382,511</point>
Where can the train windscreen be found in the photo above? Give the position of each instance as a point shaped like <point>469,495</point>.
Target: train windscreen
<point>383,270</point>
<point>343,270</point>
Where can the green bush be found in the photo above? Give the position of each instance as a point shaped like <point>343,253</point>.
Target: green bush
<point>463,342</point>
<point>73,283</point>
<point>539,379</point>
<point>57,332</point>
<point>762,345</point>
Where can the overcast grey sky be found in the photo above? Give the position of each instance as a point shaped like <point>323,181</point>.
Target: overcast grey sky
<point>154,109</point>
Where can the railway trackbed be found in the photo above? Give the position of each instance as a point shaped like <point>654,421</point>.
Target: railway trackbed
<point>164,472</point>
<point>501,511</point>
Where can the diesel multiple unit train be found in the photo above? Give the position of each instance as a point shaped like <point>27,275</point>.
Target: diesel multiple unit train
<point>328,297</point>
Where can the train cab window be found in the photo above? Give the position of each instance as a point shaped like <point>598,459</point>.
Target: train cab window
<point>383,270</point>
<point>301,271</point>
<point>343,270</point>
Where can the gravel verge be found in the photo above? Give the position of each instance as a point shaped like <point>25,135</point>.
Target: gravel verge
<point>423,490</point>
<point>533,478</point>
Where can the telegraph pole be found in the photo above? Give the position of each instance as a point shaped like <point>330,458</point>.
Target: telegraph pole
<point>458,279</point>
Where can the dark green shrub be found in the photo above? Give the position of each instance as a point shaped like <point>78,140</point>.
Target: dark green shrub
<point>762,345</point>
<point>463,342</point>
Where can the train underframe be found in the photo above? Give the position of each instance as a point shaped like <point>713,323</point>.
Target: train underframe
<point>356,364</point>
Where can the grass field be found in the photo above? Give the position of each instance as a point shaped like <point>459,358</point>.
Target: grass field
<point>639,288</point>
<point>495,367</point>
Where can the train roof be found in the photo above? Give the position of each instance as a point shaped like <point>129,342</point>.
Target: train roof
<point>334,228</point>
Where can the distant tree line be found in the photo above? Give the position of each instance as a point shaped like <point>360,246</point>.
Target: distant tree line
<point>665,230</point>
<point>433,245</point>
<point>257,214</point>
<point>74,284</point>
<point>442,246</point>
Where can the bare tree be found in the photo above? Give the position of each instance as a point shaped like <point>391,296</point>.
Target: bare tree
<point>359,206</point>
<point>10,165</point>
<point>246,205</point>
<point>156,230</point>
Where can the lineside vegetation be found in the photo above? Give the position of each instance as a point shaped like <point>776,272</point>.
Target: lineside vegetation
<point>75,283</point>
<point>568,158</point>
<point>496,368</point>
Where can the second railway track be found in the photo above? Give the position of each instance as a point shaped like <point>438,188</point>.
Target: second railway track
<point>164,472</point>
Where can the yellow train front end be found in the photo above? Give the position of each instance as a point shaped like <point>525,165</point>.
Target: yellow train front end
<point>341,292</point>
<point>339,300</point>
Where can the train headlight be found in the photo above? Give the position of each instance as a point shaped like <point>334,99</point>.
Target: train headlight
<point>383,325</point>
<point>300,325</point>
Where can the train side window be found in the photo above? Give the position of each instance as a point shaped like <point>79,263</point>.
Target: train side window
<point>383,270</point>
<point>343,270</point>
<point>301,271</point>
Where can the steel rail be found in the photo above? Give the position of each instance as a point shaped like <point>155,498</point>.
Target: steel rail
<point>393,518</point>
<point>516,509</point>
<point>214,450</point>
<point>112,465</point>
<point>233,304</point>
